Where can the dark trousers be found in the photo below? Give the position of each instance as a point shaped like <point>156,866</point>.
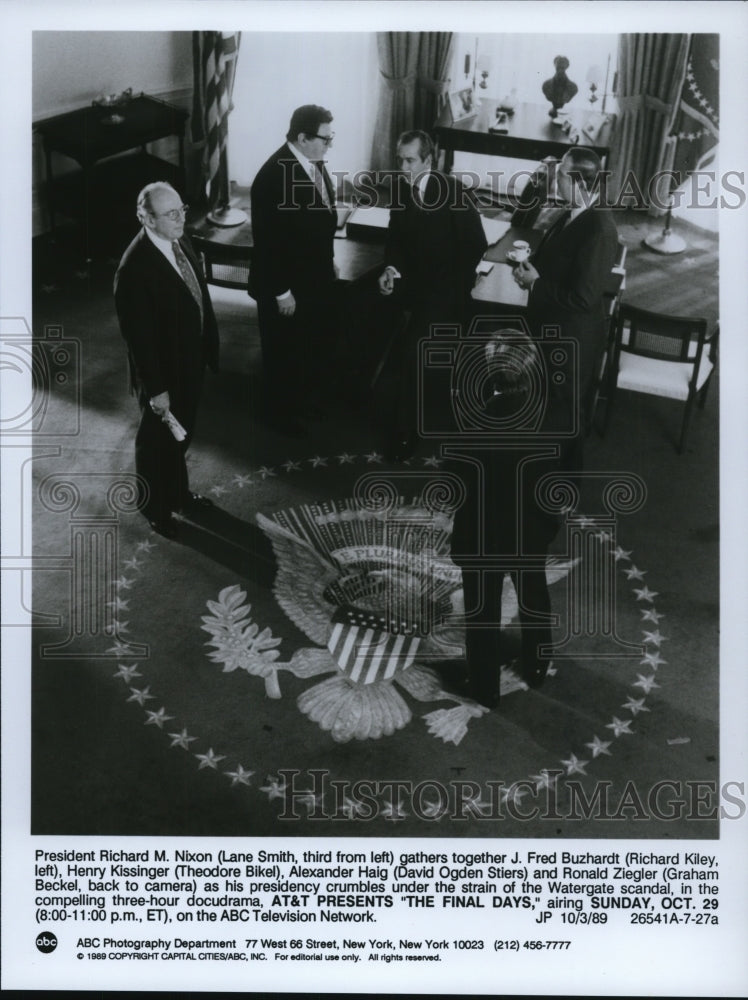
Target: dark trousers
<point>160,458</point>
<point>486,645</point>
<point>299,351</point>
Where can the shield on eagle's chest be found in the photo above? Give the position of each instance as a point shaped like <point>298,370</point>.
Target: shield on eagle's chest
<point>368,648</point>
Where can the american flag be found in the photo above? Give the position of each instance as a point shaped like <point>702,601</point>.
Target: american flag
<point>214,56</point>
<point>370,648</point>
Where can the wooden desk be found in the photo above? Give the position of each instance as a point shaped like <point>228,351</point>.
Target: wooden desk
<point>355,259</point>
<point>88,136</point>
<point>530,135</point>
<point>498,293</point>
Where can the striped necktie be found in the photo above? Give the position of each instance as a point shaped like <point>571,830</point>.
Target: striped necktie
<point>323,183</point>
<point>187,273</point>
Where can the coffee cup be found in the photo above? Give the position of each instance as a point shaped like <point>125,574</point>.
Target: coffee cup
<point>521,249</point>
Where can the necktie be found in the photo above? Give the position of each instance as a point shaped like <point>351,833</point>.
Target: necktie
<point>417,195</point>
<point>187,274</point>
<point>556,227</point>
<point>323,183</point>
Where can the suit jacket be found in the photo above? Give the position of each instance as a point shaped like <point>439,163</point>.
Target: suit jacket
<point>513,522</point>
<point>435,247</point>
<point>574,265</point>
<point>292,230</point>
<point>169,346</point>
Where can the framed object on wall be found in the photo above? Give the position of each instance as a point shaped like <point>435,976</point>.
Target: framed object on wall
<point>463,104</point>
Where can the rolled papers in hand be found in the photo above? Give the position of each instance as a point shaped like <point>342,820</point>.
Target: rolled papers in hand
<point>174,426</point>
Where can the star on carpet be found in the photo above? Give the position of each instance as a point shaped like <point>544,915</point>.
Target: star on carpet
<point>434,810</point>
<point>513,794</point>
<point>182,739</point>
<point>117,626</point>
<point>217,491</point>
<point>127,673</point>
<point>158,718</point>
<point>650,615</point>
<point>635,574</point>
<point>242,481</point>
<point>145,546</point>
<point>635,705</point>
<point>266,471</point>
<point>432,461</point>
<point>645,594</point>
<point>653,660</point>
<point>654,637</point>
<point>350,808</point>
<point>645,683</point>
<point>310,800</point>
<point>275,788</point>
<point>141,695</point>
<point>118,604</point>
<point>124,582</point>
<point>598,746</point>
<point>209,759</point>
<point>132,563</point>
<point>291,466</point>
<point>620,553</point>
<point>121,649</point>
<point>575,766</point>
<point>373,458</point>
<point>318,461</point>
<point>239,776</point>
<point>545,779</point>
<point>345,458</point>
<point>393,812</point>
<point>620,726</point>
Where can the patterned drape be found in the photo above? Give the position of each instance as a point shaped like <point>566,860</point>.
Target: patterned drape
<point>214,55</point>
<point>651,70</point>
<point>413,67</point>
<point>695,131</point>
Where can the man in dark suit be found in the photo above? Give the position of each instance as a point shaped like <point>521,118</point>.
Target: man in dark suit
<point>166,317</point>
<point>501,525</point>
<point>566,278</point>
<point>434,242</point>
<point>293,275</point>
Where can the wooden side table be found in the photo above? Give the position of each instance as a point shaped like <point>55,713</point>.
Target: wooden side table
<point>94,137</point>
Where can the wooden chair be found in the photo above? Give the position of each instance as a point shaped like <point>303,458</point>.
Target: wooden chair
<point>667,356</point>
<point>614,289</point>
<point>223,263</point>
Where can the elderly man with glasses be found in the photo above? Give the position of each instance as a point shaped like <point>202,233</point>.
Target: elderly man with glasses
<point>293,275</point>
<point>167,320</point>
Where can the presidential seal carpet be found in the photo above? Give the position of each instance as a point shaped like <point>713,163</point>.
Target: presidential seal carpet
<point>202,687</point>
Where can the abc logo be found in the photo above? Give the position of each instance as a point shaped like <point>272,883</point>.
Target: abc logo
<point>46,943</point>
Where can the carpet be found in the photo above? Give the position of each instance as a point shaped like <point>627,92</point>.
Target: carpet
<point>190,690</point>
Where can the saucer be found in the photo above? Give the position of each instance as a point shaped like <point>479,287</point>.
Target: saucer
<point>512,256</point>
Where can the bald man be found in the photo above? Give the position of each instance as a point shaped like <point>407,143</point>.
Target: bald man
<point>167,320</point>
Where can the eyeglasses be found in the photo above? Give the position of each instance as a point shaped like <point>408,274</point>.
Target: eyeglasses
<point>327,139</point>
<point>174,214</point>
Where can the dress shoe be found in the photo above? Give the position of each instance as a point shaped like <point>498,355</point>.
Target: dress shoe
<point>534,673</point>
<point>195,502</point>
<point>165,526</point>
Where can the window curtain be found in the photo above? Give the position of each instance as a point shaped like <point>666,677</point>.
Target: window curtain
<point>214,55</point>
<point>413,69</point>
<point>651,70</point>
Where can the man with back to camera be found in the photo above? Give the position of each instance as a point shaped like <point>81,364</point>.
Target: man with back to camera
<point>501,525</point>
<point>292,277</point>
<point>566,278</point>
<point>435,240</point>
<point>166,317</point>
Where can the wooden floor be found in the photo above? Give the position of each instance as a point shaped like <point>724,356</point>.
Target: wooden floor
<point>685,284</point>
